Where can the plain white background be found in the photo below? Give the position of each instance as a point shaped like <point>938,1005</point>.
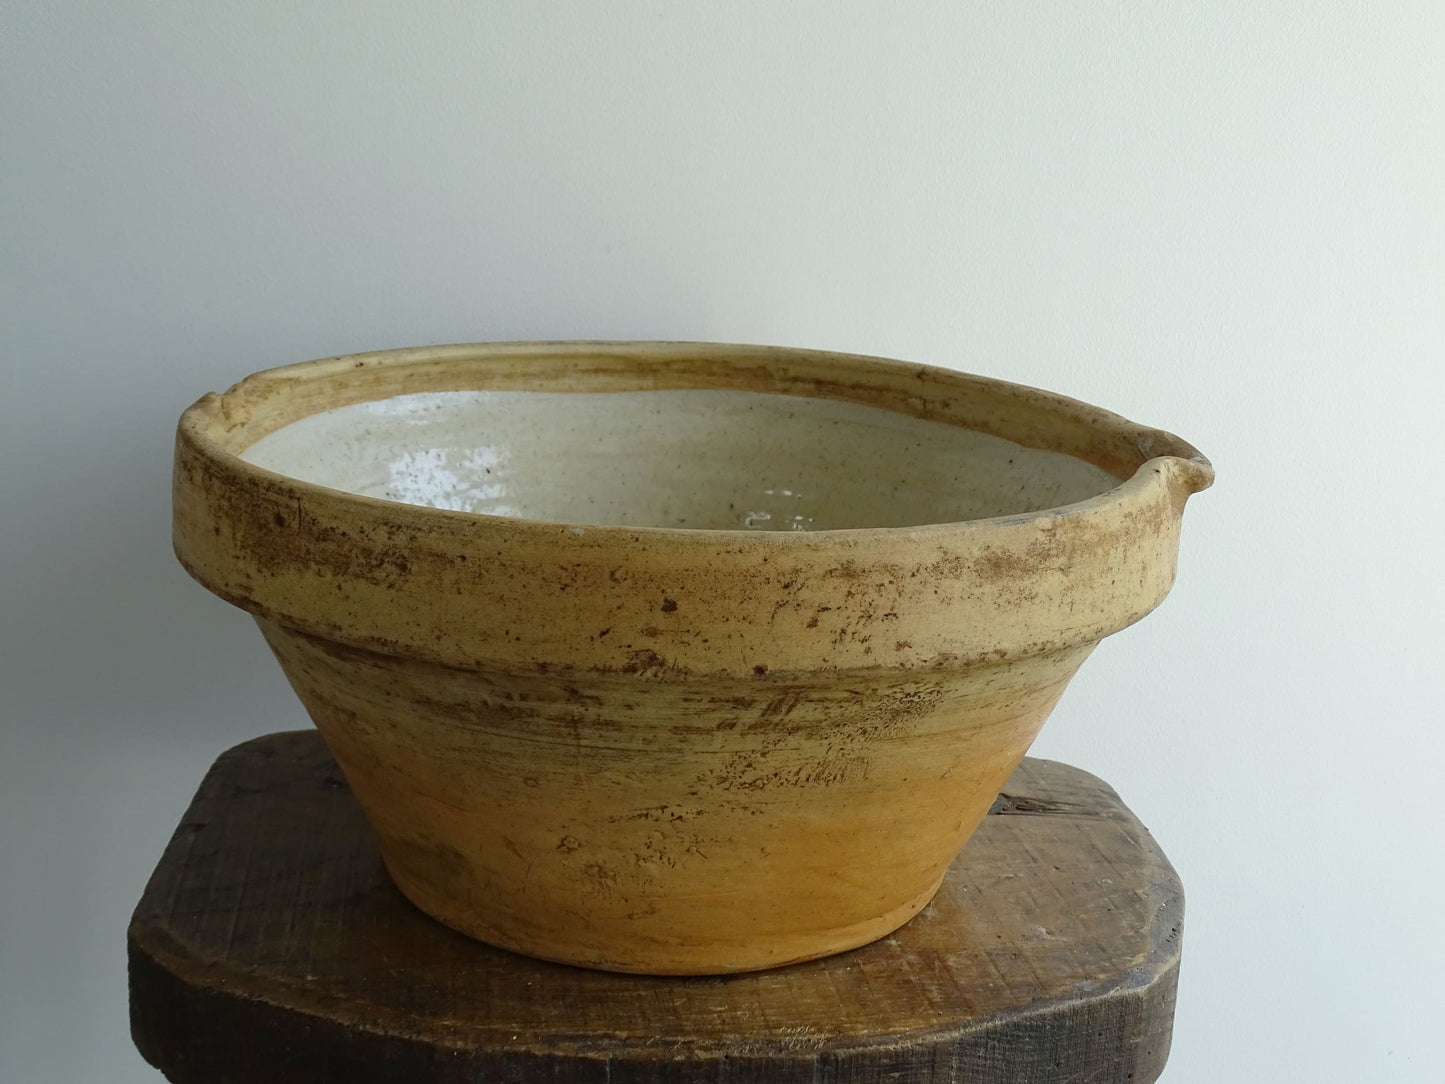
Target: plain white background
<point>1223,219</point>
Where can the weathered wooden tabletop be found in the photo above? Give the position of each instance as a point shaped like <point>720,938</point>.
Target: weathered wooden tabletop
<point>270,947</point>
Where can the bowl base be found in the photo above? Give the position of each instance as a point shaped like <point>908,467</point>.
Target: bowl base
<point>679,958</point>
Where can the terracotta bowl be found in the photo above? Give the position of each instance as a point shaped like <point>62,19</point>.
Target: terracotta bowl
<point>673,658</point>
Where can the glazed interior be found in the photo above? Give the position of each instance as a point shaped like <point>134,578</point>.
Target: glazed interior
<point>701,458</point>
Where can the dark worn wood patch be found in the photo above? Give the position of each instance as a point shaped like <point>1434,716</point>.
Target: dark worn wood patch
<point>270,946</point>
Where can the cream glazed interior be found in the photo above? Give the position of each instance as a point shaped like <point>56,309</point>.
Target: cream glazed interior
<point>709,459</point>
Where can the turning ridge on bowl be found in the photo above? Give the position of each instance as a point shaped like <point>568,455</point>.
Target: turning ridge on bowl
<point>703,658</point>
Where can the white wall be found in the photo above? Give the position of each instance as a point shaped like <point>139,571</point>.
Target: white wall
<point>1225,221</point>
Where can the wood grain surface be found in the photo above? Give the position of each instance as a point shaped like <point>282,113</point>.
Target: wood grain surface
<point>270,946</point>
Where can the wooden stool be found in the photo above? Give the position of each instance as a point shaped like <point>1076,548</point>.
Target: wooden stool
<point>271,947</point>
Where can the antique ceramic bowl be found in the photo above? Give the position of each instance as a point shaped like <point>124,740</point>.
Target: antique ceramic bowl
<point>673,658</point>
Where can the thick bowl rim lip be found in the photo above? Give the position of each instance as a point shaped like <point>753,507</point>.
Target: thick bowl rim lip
<point>1188,463</point>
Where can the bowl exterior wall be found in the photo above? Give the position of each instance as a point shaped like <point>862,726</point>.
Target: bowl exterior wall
<point>674,751</point>
<point>639,820</point>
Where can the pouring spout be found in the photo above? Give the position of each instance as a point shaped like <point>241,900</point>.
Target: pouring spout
<point>1190,475</point>
<point>1186,468</point>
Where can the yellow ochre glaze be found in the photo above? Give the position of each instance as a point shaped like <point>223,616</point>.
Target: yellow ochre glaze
<point>598,716</point>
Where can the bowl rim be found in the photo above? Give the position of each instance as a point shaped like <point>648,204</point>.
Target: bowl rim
<point>1188,469</point>
<point>472,589</point>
